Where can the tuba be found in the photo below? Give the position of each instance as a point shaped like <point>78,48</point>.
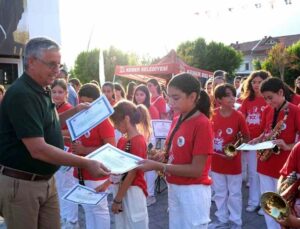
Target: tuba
<point>265,154</point>
<point>230,149</point>
<point>280,205</point>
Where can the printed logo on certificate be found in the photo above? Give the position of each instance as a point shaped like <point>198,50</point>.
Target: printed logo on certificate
<point>80,194</point>
<point>116,160</point>
<point>161,127</point>
<point>85,120</point>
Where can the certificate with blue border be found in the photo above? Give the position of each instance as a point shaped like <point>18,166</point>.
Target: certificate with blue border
<point>80,194</point>
<point>86,120</point>
<point>116,160</point>
<point>161,127</point>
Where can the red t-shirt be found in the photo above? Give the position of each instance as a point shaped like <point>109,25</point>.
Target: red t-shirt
<point>273,165</point>
<point>252,111</point>
<point>160,104</point>
<point>154,114</point>
<point>295,99</point>
<point>94,138</point>
<point>138,148</point>
<point>62,108</point>
<point>194,137</point>
<point>225,132</point>
<point>293,162</point>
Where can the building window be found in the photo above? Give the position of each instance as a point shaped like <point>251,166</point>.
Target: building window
<point>247,67</point>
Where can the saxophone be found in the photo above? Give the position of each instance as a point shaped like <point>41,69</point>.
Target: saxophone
<point>265,154</point>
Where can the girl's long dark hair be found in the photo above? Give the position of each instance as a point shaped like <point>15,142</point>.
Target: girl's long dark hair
<point>248,89</point>
<point>189,84</point>
<point>144,89</point>
<point>297,89</point>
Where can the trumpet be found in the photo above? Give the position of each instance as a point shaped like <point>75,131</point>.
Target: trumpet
<point>280,205</point>
<point>265,154</point>
<point>230,149</point>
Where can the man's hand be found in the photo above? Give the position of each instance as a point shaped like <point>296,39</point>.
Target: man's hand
<point>82,106</point>
<point>96,168</point>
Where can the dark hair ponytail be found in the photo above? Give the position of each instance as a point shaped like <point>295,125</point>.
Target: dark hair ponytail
<point>204,104</point>
<point>189,84</point>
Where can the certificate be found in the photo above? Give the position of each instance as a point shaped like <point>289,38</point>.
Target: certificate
<point>259,146</point>
<point>116,160</point>
<point>80,194</point>
<point>86,120</point>
<point>161,127</point>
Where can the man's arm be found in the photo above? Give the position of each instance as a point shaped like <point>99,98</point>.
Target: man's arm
<point>42,151</point>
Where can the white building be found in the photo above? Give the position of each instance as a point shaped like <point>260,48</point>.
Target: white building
<point>258,50</point>
<point>21,20</point>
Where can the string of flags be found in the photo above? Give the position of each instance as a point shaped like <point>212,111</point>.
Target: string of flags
<point>244,5</point>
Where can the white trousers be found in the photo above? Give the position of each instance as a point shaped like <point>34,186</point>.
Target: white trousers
<point>150,178</point>
<point>189,206</point>
<point>135,212</point>
<point>96,217</point>
<point>228,197</point>
<point>253,178</point>
<point>64,182</point>
<point>269,184</point>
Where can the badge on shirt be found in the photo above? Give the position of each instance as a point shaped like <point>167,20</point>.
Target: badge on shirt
<point>180,141</point>
<point>87,134</point>
<point>283,126</point>
<point>229,130</point>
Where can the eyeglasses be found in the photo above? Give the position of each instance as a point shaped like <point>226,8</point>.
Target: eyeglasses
<point>51,65</point>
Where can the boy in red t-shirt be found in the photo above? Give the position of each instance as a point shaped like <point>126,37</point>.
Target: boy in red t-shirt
<point>228,125</point>
<point>92,140</point>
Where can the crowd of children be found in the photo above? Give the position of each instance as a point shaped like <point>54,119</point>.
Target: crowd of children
<point>195,161</point>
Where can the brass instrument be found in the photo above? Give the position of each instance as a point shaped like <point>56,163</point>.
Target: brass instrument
<point>265,154</point>
<point>230,149</point>
<point>280,205</point>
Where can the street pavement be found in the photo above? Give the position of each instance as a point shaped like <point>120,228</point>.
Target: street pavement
<point>158,214</point>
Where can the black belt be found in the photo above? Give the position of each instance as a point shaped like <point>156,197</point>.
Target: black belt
<point>6,171</point>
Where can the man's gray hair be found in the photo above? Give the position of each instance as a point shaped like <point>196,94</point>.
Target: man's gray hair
<point>36,46</point>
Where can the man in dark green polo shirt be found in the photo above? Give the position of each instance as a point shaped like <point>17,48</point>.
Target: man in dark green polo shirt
<point>31,143</point>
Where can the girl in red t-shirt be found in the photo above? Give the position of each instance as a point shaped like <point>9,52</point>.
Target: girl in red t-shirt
<point>157,99</point>
<point>252,107</point>
<point>95,138</point>
<point>108,91</point>
<point>130,189</point>
<point>188,150</point>
<point>292,165</point>
<point>278,110</point>
<point>142,96</point>
<point>64,179</point>
<point>229,125</point>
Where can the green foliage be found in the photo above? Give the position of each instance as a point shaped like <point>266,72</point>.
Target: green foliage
<point>284,62</point>
<point>87,66</point>
<point>257,64</point>
<point>211,57</point>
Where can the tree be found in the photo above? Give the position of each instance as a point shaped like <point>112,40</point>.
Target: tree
<point>279,59</point>
<point>211,57</point>
<point>284,62</point>
<point>87,66</point>
<point>256,64</point>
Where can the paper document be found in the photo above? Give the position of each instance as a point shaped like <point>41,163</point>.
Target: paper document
<point>80,194</point>
<point>258,146</point>
<point>86,120</point>
<point>161,127</point>
<point>116,160</point>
